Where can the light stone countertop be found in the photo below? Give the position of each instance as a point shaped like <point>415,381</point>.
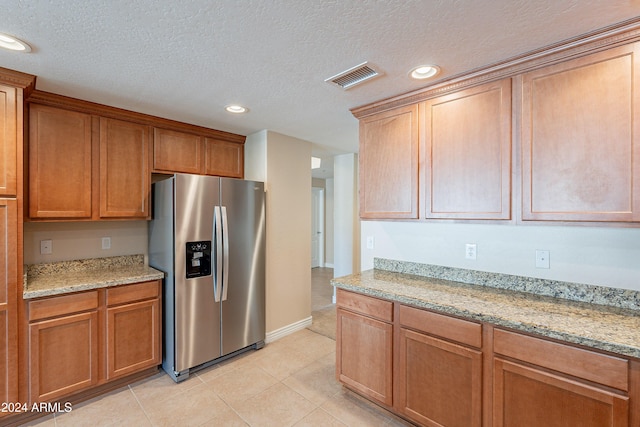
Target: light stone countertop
<point>81,275</point>
<point>603,327</point>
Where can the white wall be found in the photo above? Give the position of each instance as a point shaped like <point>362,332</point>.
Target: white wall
<point>283,163</point>
<point>594,255</point>
<point>346,245</point>
<point>82,240</point>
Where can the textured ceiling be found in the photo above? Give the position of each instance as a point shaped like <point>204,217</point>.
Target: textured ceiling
<point>186,60</point>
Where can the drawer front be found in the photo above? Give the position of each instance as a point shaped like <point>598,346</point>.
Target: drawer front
<point>600,368</point>
<point>364,304</point>
<point>135,292</point>
<point>440,325</point>
<point>62,305</point>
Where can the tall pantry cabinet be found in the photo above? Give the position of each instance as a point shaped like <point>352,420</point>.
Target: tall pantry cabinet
<point>14,87</point>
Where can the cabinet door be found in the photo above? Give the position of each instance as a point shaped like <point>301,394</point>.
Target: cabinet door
<point>63,355</point>
<point>59,163</point>
<point>224,158</point>
<point>364,355</point>
<point>8,138</point>
<point>133,337</point>
<point>389,144</point>
<point>580,139</point>
<point>468,153</point>
<point>528,397</point>
<point>125,180</point>
<point>438,383</point>
<point>8,284</point>
<point>177,152</point>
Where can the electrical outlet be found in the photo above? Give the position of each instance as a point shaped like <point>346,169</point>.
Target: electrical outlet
<point>106,243</point>
<point>46,247</point>
<point>470,251</point>
<point>371,242</point>
<point>542,258</point>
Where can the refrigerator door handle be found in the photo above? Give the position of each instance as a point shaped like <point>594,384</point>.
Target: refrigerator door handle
<point>218,273</point>
<point>225,244</point>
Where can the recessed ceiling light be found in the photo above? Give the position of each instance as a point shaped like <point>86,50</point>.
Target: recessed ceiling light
<point>424,71</point>
<point>12,43</point>
<point>236,109</point>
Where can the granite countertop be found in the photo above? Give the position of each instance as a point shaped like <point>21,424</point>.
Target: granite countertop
<point>72,276</point>
<point>603,327</point>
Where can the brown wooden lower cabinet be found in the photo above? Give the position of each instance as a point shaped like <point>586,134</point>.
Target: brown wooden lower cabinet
<point>63,345</point>
<point>530,397</point>
<point>63,355</point>
<point>448,371</point>
<point>133,330</point>
<point>439,383</point>
<point>556,385</point>
<point>76,341</point>
<point>364,360</point>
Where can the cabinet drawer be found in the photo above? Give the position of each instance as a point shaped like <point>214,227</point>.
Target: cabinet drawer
<point>600,368</point>
<point>364,304</point>
<point>447,327</point>
<point>128,293</point>
<point>64,304</point>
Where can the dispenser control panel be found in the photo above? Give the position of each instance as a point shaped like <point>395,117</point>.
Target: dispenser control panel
<point>198,259</point>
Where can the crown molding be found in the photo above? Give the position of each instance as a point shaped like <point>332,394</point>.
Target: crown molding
<point>68,103</point>
<point>25,81</point>
<point>615,35</point>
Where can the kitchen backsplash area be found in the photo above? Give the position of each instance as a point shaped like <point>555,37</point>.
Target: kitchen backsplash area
<point>83,240</point>
<point>615,297</point>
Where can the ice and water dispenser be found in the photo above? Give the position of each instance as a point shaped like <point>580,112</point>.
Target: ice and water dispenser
<point>198,259</point>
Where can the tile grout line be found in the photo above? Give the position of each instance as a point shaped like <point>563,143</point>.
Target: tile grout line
<point>140,404</point>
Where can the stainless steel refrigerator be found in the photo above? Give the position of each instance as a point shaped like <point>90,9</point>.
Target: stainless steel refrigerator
<point>208,236</point>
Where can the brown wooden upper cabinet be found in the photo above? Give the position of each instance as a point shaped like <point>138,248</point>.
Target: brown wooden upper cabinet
<point>466,157</point>
<point>125,179</point>
<point>8,136</point>
<point>389,144</point>
<point>468,153</point>
<point>580,147</point>
<point>224,158</point>
<point>59,163</point>
<point>177,152</point>
<point>84,167</point>
<point>190,153</point>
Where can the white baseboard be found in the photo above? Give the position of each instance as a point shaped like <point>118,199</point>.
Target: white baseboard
<point>287,330</point>
<point>328,264</point>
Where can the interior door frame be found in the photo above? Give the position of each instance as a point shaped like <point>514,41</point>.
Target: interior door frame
<point>317,193</point>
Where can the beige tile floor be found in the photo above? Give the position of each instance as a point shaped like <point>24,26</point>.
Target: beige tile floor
<point>290,382</point>
<point>323,311</point>
<point>321,289</point>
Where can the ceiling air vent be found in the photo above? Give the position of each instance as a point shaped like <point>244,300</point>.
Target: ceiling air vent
<point>354,76</point>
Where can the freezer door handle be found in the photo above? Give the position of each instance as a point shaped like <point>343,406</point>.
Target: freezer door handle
<point>225,245</point>
<point>218,238</point>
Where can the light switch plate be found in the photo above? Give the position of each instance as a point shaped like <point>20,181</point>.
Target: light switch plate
<point>106,243</point>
